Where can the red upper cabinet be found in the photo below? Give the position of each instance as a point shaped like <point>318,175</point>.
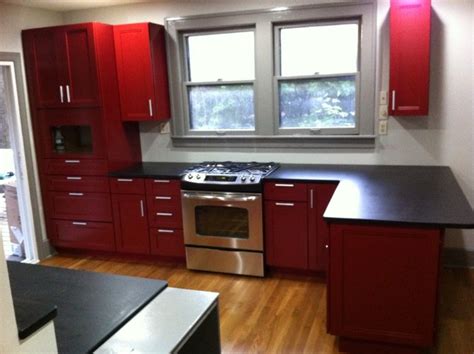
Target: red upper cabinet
<point>142,72</point>
<point>62,65</point>
<point>409,57</point>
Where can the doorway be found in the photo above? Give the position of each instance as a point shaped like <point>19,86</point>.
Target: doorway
<point>17,227</point>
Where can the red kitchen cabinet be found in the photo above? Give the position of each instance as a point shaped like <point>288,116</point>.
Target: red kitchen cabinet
<point>62,65</point>
<point>142,71</point>
<point>80,206</point>
<point>286,234</point>
<point>131,224</point>
<point>409,57</point>
<point>318,229</point>
<point>167,242</point>
<point>383,284</point>
<point>83,235</point>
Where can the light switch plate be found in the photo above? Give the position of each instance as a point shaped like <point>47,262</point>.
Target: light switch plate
<point>383,127</point>
<point>383,98</point>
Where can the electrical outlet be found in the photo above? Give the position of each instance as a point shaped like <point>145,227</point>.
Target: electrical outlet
<point>383,127</point>
<point>383,112</point>
<point>165,128</point>
<point>383,98</point>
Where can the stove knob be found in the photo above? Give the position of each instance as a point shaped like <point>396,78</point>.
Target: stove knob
<point>198,176</point>
<point>190,176</point>
<point>252,178</point>
<point>243,178</point>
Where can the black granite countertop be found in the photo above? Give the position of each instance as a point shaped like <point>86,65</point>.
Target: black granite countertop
<point>419,195</point>
<point>31,315</point>
<point>91,307</point>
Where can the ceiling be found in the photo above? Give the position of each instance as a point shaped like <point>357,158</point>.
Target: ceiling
<point>68,5</point>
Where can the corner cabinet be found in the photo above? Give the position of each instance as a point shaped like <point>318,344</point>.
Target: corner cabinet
<point>409,57</point>
<point>142,72</point>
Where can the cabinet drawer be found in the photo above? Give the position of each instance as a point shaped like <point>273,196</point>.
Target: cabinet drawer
<point>163,186</point>
<point>80,206</point>
<point>77,184</point>
<point>82,234</point>
<point>166,216</point>
<point>167,242</point>
<point>127,185</point>
<point>285,191</point>
<point>73,167</point>
<point>157,202</point>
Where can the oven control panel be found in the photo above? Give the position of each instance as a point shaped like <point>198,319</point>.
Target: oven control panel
<point>195,177</point>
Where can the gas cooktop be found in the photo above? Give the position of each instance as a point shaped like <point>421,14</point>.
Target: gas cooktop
<point>226,174</point>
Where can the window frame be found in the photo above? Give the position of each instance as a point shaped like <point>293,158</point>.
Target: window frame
<point>266,105</point>
<point>278,78</point>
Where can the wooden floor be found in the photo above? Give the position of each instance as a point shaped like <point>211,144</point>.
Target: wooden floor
<point>287,314</point>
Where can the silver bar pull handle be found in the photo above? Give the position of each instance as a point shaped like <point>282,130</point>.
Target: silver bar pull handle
<point>327,246</point>
<point>79,223</point>
<point>311,198</point>
<point>162,198</point>
<point>284,185</point>
<point>165,231</point>
<point>73,178</point>
<point>72,161</point>
<point>150,107</point>
<point>68,95</point>
<point>285,204</point>
<point>61,93</point>
<point>76,194</point>
<point>124,180</point>
<point>393,100</point>
<point>164,214</point>
<point>161,180</point>
<point>142,209</point>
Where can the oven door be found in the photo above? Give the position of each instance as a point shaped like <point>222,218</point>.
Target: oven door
<point>224,220</point>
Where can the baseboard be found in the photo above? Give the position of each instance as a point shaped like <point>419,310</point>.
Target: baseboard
<point>456,257</point>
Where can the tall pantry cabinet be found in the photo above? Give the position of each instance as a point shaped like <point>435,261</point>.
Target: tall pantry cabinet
<point>79,135</point>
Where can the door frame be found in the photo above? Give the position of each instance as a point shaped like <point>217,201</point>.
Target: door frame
<point>30,205</point>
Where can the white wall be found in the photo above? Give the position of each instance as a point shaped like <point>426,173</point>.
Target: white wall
<point>446,137</point>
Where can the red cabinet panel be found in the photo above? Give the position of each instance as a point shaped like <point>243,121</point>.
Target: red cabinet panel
<point>77,184</point>
<point>80,206</point>
<point>318,229</point>
<point>167,242</point>
<point>84,235</point>
<point>166,215</point>
<point>286,234</point>
<point>127,185</point>
<point>142,71</point>
<point>383,283</point>
<point>131,225</point>
<point>409,57</point>
<point>285,190</point>
<point>75,167</point>
<point>163,187</point>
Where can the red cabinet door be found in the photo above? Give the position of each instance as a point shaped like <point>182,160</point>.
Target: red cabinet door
<point>131,225</point>
<point>78,65</point>
<point>383,283</point>
<point>286,234</point>
<point>167,242</point>
<point>41,53</point>
<point>319,196</point>
<point>409,57</point>
<point>142,72</point>
<point>83,235</point>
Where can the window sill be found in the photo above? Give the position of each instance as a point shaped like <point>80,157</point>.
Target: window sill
<point>289,141</point>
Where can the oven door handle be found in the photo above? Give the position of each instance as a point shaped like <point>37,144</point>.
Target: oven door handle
<point>223,198</point>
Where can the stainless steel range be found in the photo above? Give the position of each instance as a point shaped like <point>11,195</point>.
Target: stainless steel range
<point>222,216</point>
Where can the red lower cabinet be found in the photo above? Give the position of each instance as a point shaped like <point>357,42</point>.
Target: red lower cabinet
<point>167,242</point>
<point>131,224</point>
<point>83,235</point>
<point>383,284</point>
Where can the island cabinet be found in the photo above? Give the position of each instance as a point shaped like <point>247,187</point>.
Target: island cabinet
<point>296,235</point>
<point>62,61</point>
<point>409,57</point>
<point>142,71</point>
<point>130,218</point>
<point>382,287</point>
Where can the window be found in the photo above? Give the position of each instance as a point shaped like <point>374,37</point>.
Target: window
<point>302,76</point>
<point>221,70</point>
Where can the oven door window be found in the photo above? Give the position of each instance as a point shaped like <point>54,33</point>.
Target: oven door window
<point>220,221</point>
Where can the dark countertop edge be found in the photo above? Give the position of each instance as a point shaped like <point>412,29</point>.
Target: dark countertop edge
<point>37,323</point>
<point>407,223</point>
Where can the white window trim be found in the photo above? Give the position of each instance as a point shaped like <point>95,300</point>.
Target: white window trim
<point>265,22</point>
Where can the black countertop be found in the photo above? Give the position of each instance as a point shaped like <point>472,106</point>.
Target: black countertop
<point>419,195</point>
<point>90,306</point>
<point>31,315</point>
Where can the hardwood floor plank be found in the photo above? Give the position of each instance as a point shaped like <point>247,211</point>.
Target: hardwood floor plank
<point>286,313</point>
